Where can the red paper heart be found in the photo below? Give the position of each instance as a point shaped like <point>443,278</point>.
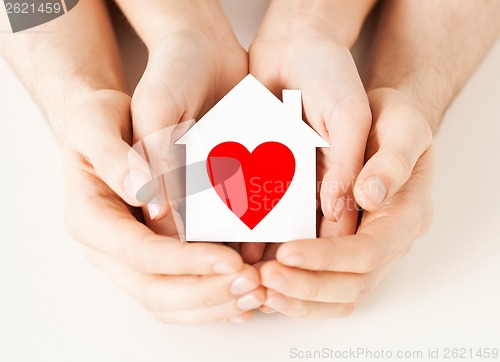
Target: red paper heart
<point>251,184</point>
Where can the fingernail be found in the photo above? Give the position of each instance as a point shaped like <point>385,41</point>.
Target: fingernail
<point>242,285</point>
<point>294,260</point>
<point>277,302</point>
<point>154,208</point>
<point>339,208</point>
<point>237,319</point>
<point>248,302</point>
<point>375,189</point>
<point>134,181</point>
<point>223,268</point>
<point>276,281</point>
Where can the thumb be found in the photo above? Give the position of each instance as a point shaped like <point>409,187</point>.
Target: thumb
<point>98,135</point>
<point>402,135</point>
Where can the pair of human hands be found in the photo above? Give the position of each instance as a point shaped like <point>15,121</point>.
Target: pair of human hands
<point>178,282</point>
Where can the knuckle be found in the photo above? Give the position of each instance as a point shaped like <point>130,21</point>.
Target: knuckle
<point>186,255</point>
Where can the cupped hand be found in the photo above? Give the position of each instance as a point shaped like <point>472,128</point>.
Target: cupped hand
<point>292,51</point>
<point>326,277</point>
<point>188,71</point>
<point>177,282</point>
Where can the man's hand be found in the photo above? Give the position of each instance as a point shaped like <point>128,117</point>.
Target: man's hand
<point>177,282</point>
<point>326,277</point>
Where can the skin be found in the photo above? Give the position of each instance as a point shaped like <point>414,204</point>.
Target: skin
<point>87,105</point>
<point>326,277</point>
<point>305,45</point>
<point>194,60</point>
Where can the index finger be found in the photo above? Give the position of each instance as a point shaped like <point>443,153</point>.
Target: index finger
<point>359,253</point>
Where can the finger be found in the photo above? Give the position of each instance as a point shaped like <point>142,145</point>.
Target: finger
<point>381,235</point>
<point>361,253</point>
<point>172,225</point>
<point>218,313</point>
<point>347,121</point>
<point>404,135</point>
<point>99,139</point>
<point>160,292</point>
<point>108,225</point>
<point>305,309</point>
<point>320,286</point>
<point>374,245</point>
<point>332,229</point>
<point>166,161</point>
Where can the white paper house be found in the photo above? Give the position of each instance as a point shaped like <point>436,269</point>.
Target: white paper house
<point>251,115</point>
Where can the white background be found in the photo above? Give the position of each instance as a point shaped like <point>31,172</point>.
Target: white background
<point>445,293</point>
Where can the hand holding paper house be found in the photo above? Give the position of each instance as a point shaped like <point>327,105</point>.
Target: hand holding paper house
<point>261,162</point>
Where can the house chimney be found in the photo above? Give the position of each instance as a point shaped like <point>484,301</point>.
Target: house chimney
<point>292,100</point>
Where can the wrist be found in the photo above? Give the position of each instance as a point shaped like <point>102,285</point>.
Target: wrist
<point>403,97</point>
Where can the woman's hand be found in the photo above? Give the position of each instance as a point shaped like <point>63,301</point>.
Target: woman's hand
<point>326,277</point>
<point>177,282</point>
